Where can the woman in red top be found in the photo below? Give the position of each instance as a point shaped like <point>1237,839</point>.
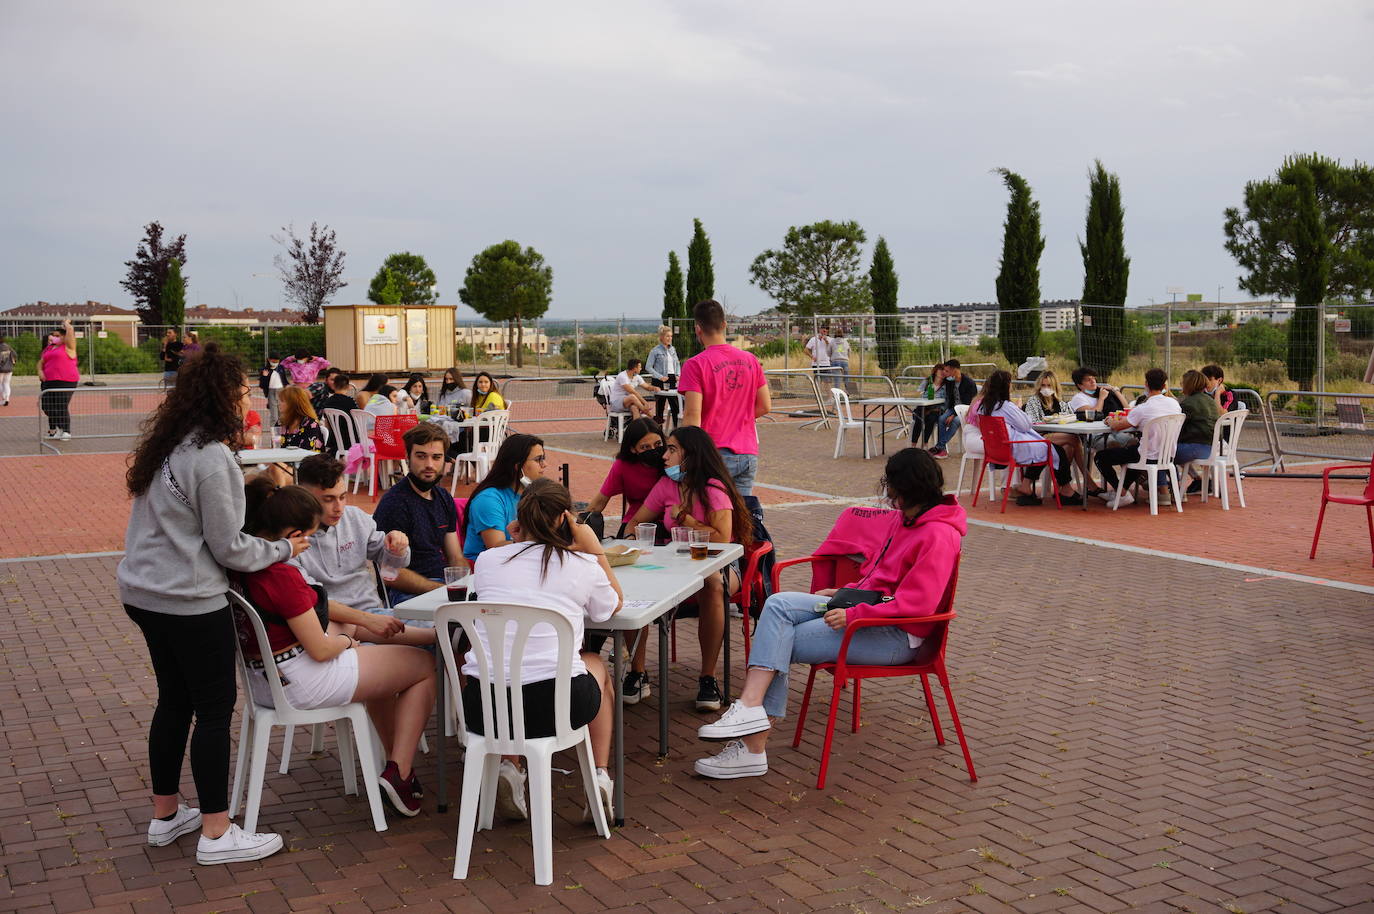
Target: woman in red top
<point>57,377</point>
<point>636,470</point>
<point>319,669</point>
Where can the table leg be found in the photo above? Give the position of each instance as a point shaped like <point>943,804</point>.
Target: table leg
<point>441,750</point>
<point>663,684</point>
<point>618,734</point>
<point>725,638</point>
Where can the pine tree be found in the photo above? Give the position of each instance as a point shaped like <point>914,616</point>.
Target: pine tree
<point>1106,270</point>
<point>882,279</point>
<point>1018,279</point>
<point>701,276</point>
<point>674,304</point>
<point>173,297</point>
<point>1312,256</point>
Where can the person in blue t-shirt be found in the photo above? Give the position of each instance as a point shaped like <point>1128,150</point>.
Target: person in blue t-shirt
<point>491,509</point>
<point>420,508</point>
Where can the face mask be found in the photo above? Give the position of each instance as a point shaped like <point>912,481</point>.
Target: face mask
<point>653,457</point>
<point>525,480</point>
<point>674,473</point>
<point>421,484</point>
<point>54,340</point>
<point>1047,391</point>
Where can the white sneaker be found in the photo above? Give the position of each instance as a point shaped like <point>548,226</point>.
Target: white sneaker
<point>1126,499</point>
<point>1165,499</point>
<point>605,788</point>
<point>738,720</point>
<point>66,436</point>
<point>162,833</point>
<point>52,433</point>
<point>1107,494</point>
<point>510,792</point>
<point>236,846</point>
<point>734,761</point>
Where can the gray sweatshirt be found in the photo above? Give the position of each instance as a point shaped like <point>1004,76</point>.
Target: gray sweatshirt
<point>185,530</point>
<point>340,558</point>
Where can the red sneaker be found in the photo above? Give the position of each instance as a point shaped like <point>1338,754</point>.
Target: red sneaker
<point>398,791</point>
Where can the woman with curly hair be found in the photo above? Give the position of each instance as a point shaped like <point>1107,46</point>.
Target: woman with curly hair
<point>185,529</point>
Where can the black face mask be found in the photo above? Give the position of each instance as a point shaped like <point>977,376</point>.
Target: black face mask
<point>652,457</point>
<point>420,484</point>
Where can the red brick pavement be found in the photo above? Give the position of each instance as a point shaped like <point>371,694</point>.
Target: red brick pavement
<point>1195,744</point>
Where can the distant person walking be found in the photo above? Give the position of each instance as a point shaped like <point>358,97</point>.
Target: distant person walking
<point>725,391</point>
<point>170,354</point>
<point>57,379</point>
<point>6,371</point>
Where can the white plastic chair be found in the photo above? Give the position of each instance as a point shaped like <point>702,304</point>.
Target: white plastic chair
<point>845,420</point>
<point>338,421</point>
<point>363,422</point>
<point>1224,459</point>
<point>973,453</point>
<point>483,451</point>
<point>503,723</point>
<point>1160,435</point>
<point>604,387</point>
<point>350,721</point>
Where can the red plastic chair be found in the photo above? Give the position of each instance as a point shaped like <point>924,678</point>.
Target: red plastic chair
<point>1367,500</point>
<point>997,448</point>
<point>387,443</point>
<point>929,659</point>
<point>743,598</point>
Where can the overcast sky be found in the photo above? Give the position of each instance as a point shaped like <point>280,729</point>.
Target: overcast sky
<point>596,131</point>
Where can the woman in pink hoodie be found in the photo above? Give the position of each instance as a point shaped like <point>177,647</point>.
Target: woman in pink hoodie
<point>911,570</point>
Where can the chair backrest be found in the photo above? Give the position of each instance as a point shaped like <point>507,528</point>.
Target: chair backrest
<point>338,421</point>
<point>243,611</point>
<point>1159,436</point>
<point>1369,485</point>
<point>841,400</point>
<point>503,719</point>
<point>389,430</point>
<point>996,440</point>
<point>1226,434</point>
<point>495,422</point>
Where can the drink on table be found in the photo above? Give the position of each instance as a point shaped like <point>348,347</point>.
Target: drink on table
<point>456,580</point>
<point>700,543</point>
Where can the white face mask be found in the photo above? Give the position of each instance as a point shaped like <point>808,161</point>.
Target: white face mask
<point>525,480</point>
<point>1047,391</point>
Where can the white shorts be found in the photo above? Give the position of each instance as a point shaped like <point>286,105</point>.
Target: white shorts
<point>311,684</point>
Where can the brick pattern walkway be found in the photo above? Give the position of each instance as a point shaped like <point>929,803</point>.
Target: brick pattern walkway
<point>1149,734</point>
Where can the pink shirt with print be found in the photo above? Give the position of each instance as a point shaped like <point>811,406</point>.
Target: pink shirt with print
<point>728,380</point>
<point>664,497</point>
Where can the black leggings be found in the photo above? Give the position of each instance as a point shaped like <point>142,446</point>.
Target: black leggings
<point>193,659</point>
<point>1063,475</point>
<point>56,401</point>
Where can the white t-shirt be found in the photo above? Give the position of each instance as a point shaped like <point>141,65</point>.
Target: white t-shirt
<point>839,348</point>
<point>1083,400</point>
<point>821,350</point>
<point>577,588</point>
<point>618,388</point>
<point>274,378</point>
<point>1157,405</point>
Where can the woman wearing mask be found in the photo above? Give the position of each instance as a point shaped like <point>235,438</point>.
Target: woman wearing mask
<point>414,395</point>
<point>923,418</point>
<point>491,509</point>
<point>637,468</point>
<point>185,528</point>
<point>697,492</point>
<point>1045,405</point>
<point>453,391</point>
<point>996,401</point>
<point>57,379</point>
<point>484,394</point>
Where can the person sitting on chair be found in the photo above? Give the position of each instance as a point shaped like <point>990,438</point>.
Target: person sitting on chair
<point>907,578</point>
<point>625,391</point>
<point>996,401</point>
<point>424,512</point>
<point>637,468</point>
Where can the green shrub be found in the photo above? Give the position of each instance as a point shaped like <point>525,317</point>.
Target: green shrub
<point>1259,341</point>
<point>989,345</point>
<point>1062,343</point>
<point>1218,352</point>
<point>1345,365</point>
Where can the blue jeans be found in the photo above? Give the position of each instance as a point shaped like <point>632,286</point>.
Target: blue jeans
<point>399,596</point>
<point>742,467</point>
<point>791,631</point>
<point>1191,451</point>
<point>946,431</point>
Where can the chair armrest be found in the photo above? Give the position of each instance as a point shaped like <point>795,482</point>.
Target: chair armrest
<point>1326,474</point>
<point>842,660</point>
<point>777,568</point>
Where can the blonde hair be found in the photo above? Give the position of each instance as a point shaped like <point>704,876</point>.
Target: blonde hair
<point>1193,381</point>
<point>1046,377</point>
<point>664,328</point>
<point>295,406</point>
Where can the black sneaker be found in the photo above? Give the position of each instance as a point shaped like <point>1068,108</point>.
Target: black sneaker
<point>398,791</point>
<point>1195,488</point>
<point>708,694</point>
<point>635,688</point>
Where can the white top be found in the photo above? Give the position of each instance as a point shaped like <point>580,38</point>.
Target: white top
<point>274,380</point>
<point>821,351</point>
<point>618,388</point>
<point>576,588</point>
<point>459,396</point>
<point>1155,406</point>
<point>839,348</point>
<point>380,406</point>
<point>1082,400</point>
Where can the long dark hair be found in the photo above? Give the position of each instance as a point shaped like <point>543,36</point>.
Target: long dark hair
<point>271,509</point>
<point>505,467</point>
<point>633,432</point>
<point>411,381</point>
<point>203,407</point>
<point>702,464</point>
<point>996,391</point>
<point>374,384</point>
<point>445,386</point>
<point>542,514</point>
<point>916,478</point>
<point>479,399</point>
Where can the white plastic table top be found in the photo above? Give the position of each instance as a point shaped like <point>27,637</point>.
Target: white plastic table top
<point>1073,428</point>
<point>897,401</point>
<point>257,455</point>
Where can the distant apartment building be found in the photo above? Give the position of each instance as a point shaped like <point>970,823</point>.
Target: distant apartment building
<point>975,319</point>
<point>38,317</point>
<point>494,340</point>
<point>1276,312</point>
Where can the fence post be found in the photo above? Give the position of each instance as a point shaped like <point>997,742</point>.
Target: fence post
<point>538,356</point>
<point>1078,329</point>
<point>90,347</point>
<point>472,346</point>
<point>619,343</point>
<point>1169,340</point>
<point>266,343</point>
<point>863,325</point>
<point>786,340</point>
<point>577,347</point>
<point>945,344</point>
<point>1321,359</point>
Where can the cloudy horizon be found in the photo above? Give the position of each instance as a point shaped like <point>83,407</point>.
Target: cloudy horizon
<point>597,133</point>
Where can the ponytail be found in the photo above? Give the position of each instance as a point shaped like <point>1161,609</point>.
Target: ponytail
<point>272,509</point>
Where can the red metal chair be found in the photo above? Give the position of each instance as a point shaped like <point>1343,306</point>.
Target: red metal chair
<point>997,448</point>
<point>1366,499</point>
<point>929,659</point>
<point>743,598</point>
<point>387,443</point>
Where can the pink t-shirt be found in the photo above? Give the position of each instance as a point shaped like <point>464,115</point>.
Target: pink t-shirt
<point>634,481</point>
<point>728,380</point>
<point>304,372</point>
<point>664,496</point>
<point>58,366</point>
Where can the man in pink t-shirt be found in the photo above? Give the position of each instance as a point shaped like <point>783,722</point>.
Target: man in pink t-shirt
<point>724,392</point>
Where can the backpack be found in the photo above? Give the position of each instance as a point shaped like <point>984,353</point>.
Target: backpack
<point>6,358</point>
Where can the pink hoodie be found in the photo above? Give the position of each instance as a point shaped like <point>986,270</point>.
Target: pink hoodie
<point>913,565</point>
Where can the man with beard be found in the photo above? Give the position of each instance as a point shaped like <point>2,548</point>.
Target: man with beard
<point>344,548</point>
<point>425,513</point>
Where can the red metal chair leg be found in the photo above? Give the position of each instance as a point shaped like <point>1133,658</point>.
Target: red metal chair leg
<point>857,684</point>
<point>1054,484</point>
<point>746,605</point>
<point>1006,490</point>
<point>805,706</point>
<point>958,727</point>
<point>829,732</point>
<point>930,706</point>
<point>983,468</point>
<point>1317,534</point>
<point>1369,519</point>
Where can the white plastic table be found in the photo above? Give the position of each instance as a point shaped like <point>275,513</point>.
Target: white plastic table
<point>1085,430</point>
<point>653,588</point>
<point>287,456</point>
<point>887,404</point>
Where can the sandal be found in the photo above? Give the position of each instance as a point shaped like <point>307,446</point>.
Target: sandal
<point>1028,500</point>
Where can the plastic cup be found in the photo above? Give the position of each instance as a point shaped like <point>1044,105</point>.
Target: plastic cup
<point>456,580</point>
<point>644,534</point>
<point>682,537</point>
<point>700,543</point>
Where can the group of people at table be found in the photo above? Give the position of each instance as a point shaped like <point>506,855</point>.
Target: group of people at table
<point>304,559</point>
<point>1205,397</point>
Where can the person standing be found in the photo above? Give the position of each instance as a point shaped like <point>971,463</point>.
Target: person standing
<point>271,380</point>
<point>58,376</point>
<point>7,358</point>
<point>664,367</point>
<point>839,357</point>
<point>725,391</point>
<point>821,350</point>
<point>185,529</point>
<point>170,354</point>
<point>304,367</point>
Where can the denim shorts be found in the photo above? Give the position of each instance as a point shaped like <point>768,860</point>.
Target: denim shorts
<point>742,467</point>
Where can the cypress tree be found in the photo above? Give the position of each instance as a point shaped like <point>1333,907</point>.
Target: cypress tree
<point>173,298</point>
<point>701,276</point>
<point>1018,279</point>
<point>1312,258</point>
<point>674,304</point>
<point>1106,269</point>
<point>882,280</point>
